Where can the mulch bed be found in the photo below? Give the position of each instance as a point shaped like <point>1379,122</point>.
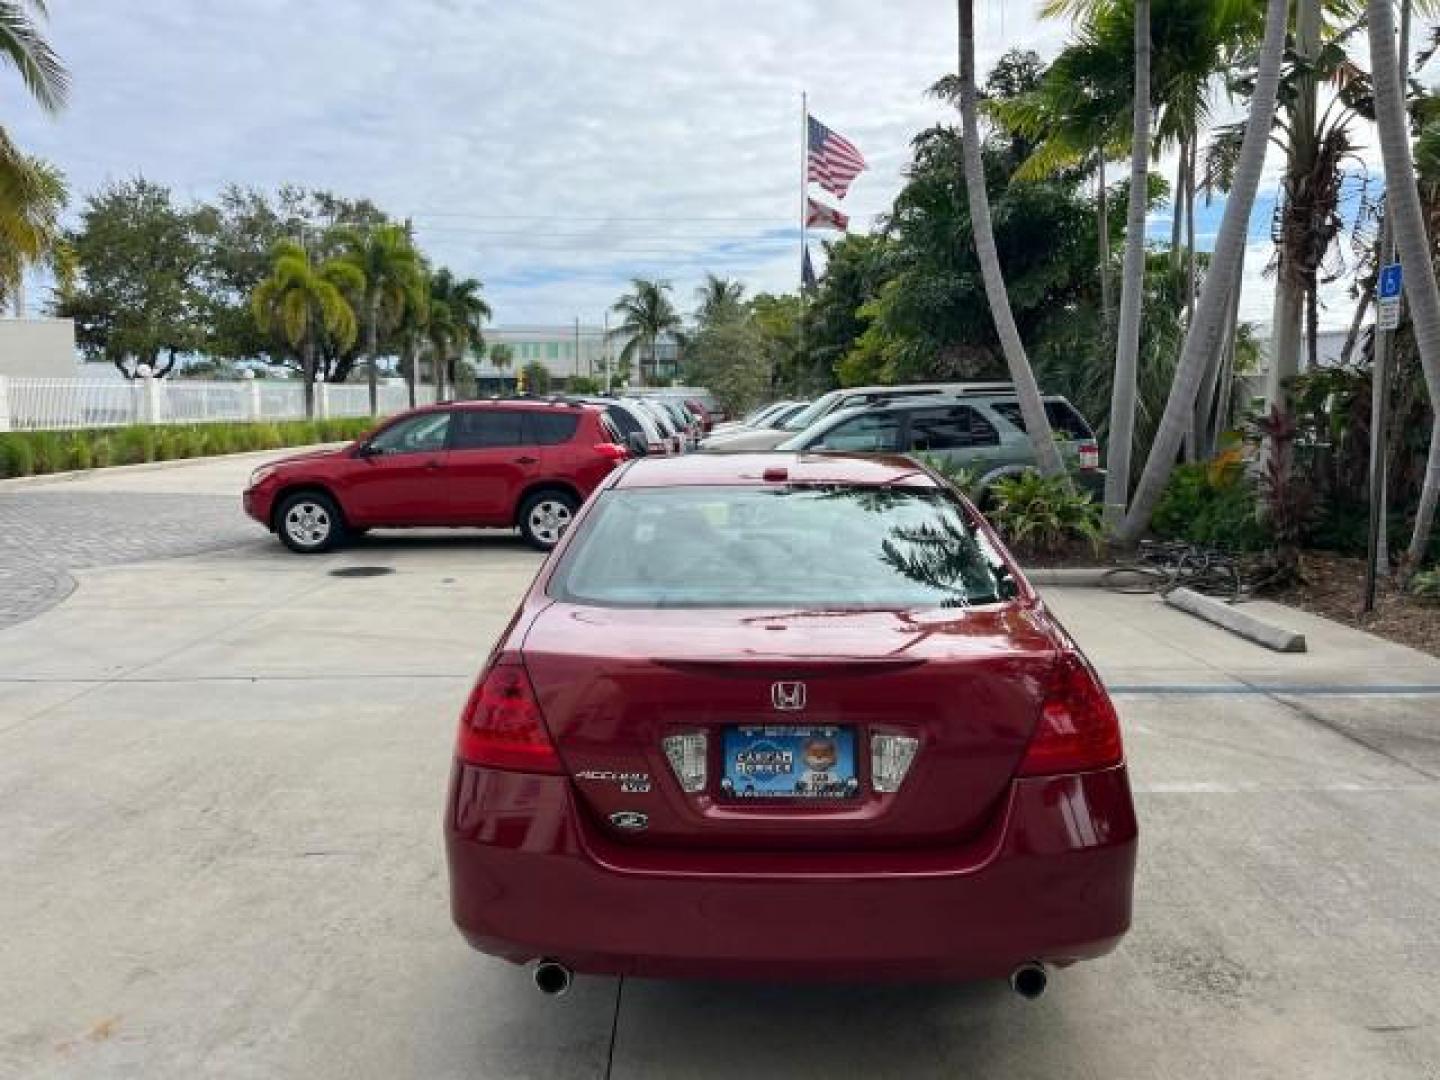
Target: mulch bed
<point>1334,586</point>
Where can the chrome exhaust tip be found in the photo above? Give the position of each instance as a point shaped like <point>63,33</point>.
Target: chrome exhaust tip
<point>1029,980</point>
<point>553,978</point>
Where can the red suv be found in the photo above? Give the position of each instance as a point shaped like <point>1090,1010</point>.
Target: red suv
<point>491,464</point>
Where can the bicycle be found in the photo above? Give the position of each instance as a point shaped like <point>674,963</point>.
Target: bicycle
<point>1162,566</point>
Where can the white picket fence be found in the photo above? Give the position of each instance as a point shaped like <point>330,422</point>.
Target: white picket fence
<point>66,404</point>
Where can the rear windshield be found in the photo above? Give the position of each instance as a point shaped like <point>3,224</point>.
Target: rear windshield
<point>1064,420</point>
<point>809,547</point>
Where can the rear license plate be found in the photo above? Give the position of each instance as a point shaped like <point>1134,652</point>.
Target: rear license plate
<point>789,763</point>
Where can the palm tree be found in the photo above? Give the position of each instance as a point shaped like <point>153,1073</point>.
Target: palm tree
<point>1208,321</point>
<point>1132,287</point>
<point>391,269</point>
<point>414,322</point>
<point>300,302</point>
<point>1032,409</point>
<point>1402,197</point>
<point>31,200</point>
<point>646,315</point>
<point>502,356</point>
<point>32,193</point>
<point>457,317</point>
<point>25,48</point>
<point>718,297</point>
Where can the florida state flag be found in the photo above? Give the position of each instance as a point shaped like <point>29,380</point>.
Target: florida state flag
<point>821,216</point>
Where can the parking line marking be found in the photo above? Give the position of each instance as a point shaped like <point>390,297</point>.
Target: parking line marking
<point>1288,689</point>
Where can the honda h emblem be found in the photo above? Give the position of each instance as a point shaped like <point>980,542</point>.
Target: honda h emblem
<point>788,696</point>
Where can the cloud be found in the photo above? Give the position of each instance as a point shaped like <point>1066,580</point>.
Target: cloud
<point>553,149</point>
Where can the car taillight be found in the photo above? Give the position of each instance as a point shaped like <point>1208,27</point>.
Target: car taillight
<point>502,726</point>
<point>1078,729</point>
<point>1089,456</point>
<point>657,448</point>
<point>613,451</point>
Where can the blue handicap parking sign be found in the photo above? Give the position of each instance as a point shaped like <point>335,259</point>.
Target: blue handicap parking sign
<point>1391,281</point>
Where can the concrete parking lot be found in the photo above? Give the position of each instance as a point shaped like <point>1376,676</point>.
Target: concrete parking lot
<point>221,776</point>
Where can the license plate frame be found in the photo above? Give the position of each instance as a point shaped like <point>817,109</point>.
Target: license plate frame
<point>789,763</point>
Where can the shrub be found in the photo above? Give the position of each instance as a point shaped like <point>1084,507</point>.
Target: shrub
<point>17,456</point>
<point>1044,513</point>
<point>959,477</point>
<point>1426,584</point>
<point>1211,504</point>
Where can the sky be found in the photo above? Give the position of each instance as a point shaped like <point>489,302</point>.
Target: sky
<point>552,148</point>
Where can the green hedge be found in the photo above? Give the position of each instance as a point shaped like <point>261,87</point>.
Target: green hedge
<point>34,453</point>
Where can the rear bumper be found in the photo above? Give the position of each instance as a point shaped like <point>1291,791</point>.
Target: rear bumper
<point>532,877</point>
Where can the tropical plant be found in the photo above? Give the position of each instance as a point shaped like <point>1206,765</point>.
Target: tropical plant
<point>536,378</point>
<point>1121,438</point>
<point>729,356</point>
<point>394,281</point>
<point>31,201</point>
<point>299,302</point>
<point>718,297</point>
<point>31,192</point>
<point>1214,307</point>
<point>1027,391</point>
<point>1043,513</point>
<point>646,315</point>
<point>1426,585</point>
<point>1413,241</point>
<point>502,356</point>
<point>456,319</point>
<point>963,480</point>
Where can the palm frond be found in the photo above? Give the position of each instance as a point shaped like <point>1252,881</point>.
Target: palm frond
<point>23,45</point>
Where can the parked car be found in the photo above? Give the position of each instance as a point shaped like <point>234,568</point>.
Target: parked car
<point>674,438</point>
<point>496,464</point>
<point>982,433</point>
<point>760,417</point>
<point>687,424</point>
<point>834,401</point>
<point>747,724</point>
<point>691,395</point>
<point>642,435</point>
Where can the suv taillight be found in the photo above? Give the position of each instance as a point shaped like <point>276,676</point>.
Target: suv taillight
<point>613,451</point>
<point>1089,455</point>
<point>502,726</point>
<point>1078,729</point>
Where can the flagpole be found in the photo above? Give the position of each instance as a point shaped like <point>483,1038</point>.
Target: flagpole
<point>804,217</point>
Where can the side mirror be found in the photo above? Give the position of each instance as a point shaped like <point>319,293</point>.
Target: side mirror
<point>367,450</point>
<point>637,444</point>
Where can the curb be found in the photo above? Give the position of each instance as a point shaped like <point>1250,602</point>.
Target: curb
<point>153,466</point>
<point>1240,623</point>
<point>1066,576</point>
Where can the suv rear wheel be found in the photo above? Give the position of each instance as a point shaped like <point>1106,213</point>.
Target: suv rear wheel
<point>309,522</point>
<point>544,516</point>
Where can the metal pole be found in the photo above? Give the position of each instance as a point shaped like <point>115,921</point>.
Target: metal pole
<point>1377,555</point>
<point>609,362</point>
<point>804,223</point>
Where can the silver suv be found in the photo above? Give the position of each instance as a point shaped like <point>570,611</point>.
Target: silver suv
<point>983,433</point>
<point>849,397</point>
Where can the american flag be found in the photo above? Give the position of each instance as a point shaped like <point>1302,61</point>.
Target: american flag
<point>820,216</point>
<point>834,160</point>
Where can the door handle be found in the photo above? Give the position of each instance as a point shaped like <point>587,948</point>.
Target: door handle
<point>526,460</point>
<point>432,465</point>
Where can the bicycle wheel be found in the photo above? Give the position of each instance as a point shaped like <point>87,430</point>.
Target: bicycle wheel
<point>1135,580</point>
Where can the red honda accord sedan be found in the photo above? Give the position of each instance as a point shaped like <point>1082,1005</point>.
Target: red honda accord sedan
<point>783,717</point>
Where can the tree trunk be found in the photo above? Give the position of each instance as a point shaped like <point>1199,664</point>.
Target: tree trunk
<point>307,369</point>
<point>1216,383</point>
<point>1102,208</point>
<point>372,346</point>
<point>1204,333</point>
<point>1177,220</point>
<point>439,362</point>
<point>1132,285</point>
<point>1292,274</point>
<point>1190,269</point>
<point>413,375</point>
<point>1032,408</point>
<point>1403,201</point>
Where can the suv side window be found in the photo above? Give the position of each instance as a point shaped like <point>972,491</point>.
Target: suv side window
<point>1064,420</point>
<point>957,428</point>
<point>867,432</point>
<point>482,429</point>
<point>423,434</point>
<point>551,428</point>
